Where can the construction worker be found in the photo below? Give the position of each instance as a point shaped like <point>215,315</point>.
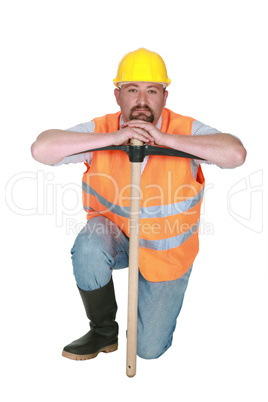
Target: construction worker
<point>171,196</point>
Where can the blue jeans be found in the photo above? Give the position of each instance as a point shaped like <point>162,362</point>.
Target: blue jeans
<point>101,247</point>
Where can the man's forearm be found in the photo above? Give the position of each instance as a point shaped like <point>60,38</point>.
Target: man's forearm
<point>52,146</point>
<point>224,150</point>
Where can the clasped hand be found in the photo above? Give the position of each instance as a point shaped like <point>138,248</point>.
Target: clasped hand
<point>140,130</point>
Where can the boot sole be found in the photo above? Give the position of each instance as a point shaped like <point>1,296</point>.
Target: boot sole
<point>106,349</point>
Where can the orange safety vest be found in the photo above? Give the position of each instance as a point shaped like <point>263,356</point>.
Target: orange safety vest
<point>170,200</point>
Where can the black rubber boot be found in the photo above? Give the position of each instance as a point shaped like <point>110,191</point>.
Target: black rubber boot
<point>101,307</point>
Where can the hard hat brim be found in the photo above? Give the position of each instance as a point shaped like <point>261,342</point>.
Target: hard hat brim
<point>117,82</point>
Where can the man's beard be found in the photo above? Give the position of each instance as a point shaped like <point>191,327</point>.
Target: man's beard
<point>142,116</point>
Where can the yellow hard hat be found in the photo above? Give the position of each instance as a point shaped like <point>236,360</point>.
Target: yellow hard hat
<point>142,65</point>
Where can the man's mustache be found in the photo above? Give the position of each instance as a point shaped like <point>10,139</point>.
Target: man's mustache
<point>146,107</point>
<point>141,115</point>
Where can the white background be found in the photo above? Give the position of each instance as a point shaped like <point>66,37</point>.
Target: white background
<point>58,61</point>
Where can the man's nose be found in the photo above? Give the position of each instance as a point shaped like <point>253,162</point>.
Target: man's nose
<point>142,97</point>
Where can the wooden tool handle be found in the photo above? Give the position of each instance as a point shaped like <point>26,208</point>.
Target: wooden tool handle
<point>133,266</point>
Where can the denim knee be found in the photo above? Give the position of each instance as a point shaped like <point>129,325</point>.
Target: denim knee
<point>91,267</point>
<point>148,350</point>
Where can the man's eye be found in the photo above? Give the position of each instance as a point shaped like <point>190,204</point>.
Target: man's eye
<point>132,90</point>
<point>151,91</point>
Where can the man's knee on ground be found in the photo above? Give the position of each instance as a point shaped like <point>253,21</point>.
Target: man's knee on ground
<point>150,351</point>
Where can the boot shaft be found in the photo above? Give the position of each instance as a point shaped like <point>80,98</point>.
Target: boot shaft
<point>100,305</point>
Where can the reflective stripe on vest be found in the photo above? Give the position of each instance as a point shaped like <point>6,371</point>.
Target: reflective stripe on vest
<point>170,200</point>
<point>158,211</point>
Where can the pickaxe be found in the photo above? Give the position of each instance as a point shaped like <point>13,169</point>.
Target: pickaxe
<point>136,152</point>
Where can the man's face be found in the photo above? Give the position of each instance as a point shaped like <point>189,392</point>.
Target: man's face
<point>141,101</point>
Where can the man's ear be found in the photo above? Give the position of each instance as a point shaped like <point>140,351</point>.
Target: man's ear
<point>165,98</point>
<point>117,94</point>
